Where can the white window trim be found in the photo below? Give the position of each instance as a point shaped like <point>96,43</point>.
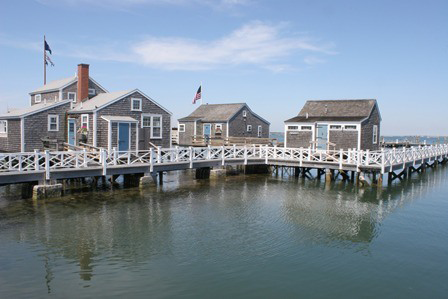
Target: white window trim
<point>335,129</point>
<point>36,97</point>
<point>260,131</point>
<point>82,122</point>
<point>350,129</point>
<point>68,96</point>
<point>151,121</point>
<point>132,104</point>
<point>244,113</point>
<point>92,91</point>
<point>4,134</point>
<point>249,128</point>
<point>308,130</point>
<point>289,129</point>
<point>181,128</point>
<point>375,134</point>
<point>50,116</point>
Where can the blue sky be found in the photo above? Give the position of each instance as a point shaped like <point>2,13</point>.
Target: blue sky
<point>274,55</point>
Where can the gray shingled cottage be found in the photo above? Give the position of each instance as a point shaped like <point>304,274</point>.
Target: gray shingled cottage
<point>335,124</point>
<point>78,109</point>
<point>220,121</point>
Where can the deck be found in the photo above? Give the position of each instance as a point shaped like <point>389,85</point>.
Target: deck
<point>53,165</point>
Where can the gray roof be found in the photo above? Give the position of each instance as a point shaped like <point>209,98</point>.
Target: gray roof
<point>335,110</point>
<point>55,85</point>
<point>99,101</point>
<point>214,112</point>
<point>17,113</point>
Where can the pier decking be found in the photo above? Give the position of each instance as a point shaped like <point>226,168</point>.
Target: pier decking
<point>54,165</point>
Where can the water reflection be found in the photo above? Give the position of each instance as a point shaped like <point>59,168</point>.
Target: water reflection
<point>225,220</point>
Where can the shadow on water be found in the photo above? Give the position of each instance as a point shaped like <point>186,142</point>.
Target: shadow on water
<point>194,220</point>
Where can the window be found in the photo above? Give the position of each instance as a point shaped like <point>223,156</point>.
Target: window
<point>181,127</point>
<point>3,128</point>
<point>375,134</point>
<point>154,122</point>
<point>350,127</point>
<point>335,127</point>
<point>72,96</point>
<point>92,91</point>
<point>136,104</point>
<point>85,121</point>
<point>249,128</point>
<point>244,113</point>
<point>306,128</point>
<point>37,98</point>
<point>260,131</point>
<point>218,129</point>
<point>293,128</point>
<point>53,122</point>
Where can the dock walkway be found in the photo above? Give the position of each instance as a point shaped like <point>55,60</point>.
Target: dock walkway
<point>54,165</point>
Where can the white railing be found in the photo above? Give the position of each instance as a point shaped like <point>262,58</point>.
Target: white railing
<point>382,160</point>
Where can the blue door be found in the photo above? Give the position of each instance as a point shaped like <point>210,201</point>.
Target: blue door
<point>71,131</point>
<point>322,136</point>
<point>123,137</point>
<point>207,132</point>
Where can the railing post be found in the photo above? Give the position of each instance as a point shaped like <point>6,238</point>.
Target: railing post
<point>115,154</point>
<point>104,160</point>
<point>309,153</point>
<point>208,152</point>
<point>367,162</point>
<point>151,160</point>
<point>359,160</point>
<point>404,157</point>
<point>383,161</point>
<point>47,165</point>
<point>176,156</point>
<point>275,152</point>
<point>84,153</point>
<point>223,155</point>
<point>266,161</point>
<point>301,156</point>
<point>36,160</point>
<point>191,156</point>
<point>340,158</point>
<point>159,155</point>
<point>234,151</point>
<point>20,162</point>
<point>245,155</point>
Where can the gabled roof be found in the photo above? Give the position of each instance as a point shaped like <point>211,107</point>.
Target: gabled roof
<point>57,85</point>
<point>335,110</point>
<point>103,100</point>
<point>214,112</point>
<point>19,113</point>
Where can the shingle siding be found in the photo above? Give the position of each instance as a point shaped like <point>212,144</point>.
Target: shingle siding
<point>123,108</point>
<point>11,142</point>
<point>298,138</point>
<point>36,127</point>
<point>367,131</point>
<point>185,138</point>
<point>46,97</point>
<point>238,125</point>
<point>344,139</point>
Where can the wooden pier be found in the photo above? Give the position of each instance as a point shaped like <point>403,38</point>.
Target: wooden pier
<point>49,166</point>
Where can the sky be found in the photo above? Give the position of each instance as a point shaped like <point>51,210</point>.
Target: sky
<point>273,55</point>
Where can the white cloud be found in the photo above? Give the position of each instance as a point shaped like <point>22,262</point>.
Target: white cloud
<point>256,44</point>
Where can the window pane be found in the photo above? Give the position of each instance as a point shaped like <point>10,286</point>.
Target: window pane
<point>146,121</point>
<point>156,132</point>
<point>156,121</point>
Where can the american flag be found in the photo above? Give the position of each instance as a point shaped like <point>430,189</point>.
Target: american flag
<point>198,95</point>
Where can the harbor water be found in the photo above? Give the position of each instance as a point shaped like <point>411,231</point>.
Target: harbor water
<point>246,236</point>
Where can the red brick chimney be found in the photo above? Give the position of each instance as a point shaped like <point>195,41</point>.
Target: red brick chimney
<point>83,82</point>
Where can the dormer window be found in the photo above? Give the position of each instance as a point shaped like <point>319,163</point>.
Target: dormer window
<point>72,96</point>
<point>244,113</point>
<point>136,104</point>
<point>37,98</point>
<point>92,91</point>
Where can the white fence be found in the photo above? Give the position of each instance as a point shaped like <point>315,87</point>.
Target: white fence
<point>382,160</point>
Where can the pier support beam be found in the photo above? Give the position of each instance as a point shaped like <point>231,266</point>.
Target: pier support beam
<point>47,191</point>
<point>131,180</point>
<point>148,180</point>
<point>27,190</point>
<point>203,173</point>
<point>329,175</point>
<point>256,169</point>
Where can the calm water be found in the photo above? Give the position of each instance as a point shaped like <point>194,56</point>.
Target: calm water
<point>231,237</point>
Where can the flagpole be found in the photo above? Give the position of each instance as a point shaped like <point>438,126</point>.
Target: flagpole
<point>202,93</point>
<point>45,64</point>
